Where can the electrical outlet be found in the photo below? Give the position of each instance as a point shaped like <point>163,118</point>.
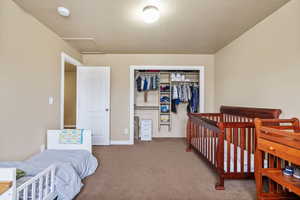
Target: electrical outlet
<point>126,131</point>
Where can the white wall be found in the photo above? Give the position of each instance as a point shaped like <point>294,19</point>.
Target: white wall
<point>29,74</point>
<point>262,67</point>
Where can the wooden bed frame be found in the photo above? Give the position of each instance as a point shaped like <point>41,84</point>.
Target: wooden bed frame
<point>233,128</point>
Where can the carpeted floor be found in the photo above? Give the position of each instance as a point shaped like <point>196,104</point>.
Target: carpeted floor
<point>157,170</point>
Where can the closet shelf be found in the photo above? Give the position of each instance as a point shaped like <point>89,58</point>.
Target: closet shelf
<point>146,107</point>
<point>165,124</point>
<point>286,181</point>
<point>185,81</point>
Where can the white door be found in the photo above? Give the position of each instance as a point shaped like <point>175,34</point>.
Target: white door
<point>93,102</point>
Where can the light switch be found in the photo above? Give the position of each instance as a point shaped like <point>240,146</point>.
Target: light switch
<point>51,100</point>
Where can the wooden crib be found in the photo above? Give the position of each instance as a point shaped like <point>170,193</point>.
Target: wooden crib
<point>226,140</point>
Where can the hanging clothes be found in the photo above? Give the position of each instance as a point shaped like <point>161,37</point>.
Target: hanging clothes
<point>139,84</point>
<point>149,83</point>
<point>193,105</point>
<point>146,82</point>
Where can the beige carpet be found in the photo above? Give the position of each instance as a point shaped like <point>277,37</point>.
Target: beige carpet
<point>157,170</point>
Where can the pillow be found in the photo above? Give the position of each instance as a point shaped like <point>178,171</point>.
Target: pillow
<point>20,173</point>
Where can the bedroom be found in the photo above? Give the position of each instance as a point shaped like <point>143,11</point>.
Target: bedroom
<point>251,58</point>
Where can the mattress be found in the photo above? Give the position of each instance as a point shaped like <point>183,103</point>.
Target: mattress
<point>83,162</point>
<point>239,153</point>
<point>71,167</point>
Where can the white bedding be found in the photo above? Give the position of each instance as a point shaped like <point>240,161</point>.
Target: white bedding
<point>71,167</point>
<point>83,162</point>
<point>196,140</point>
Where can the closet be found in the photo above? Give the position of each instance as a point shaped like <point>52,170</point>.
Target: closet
<point>164,97</point>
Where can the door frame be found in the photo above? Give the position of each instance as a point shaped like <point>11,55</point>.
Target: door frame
<point>132,68</point>
<point>64,58</point>
<point>108,74</point>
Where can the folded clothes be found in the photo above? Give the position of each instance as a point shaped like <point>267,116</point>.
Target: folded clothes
<point>164,108</point>
<point>164,99</point>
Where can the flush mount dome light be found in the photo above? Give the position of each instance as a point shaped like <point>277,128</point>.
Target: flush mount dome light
<point>63,11</point>
<point>150,14</point>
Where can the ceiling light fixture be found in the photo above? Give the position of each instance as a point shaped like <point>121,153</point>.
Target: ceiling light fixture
<point>63,11</point>
<point>150,14</point>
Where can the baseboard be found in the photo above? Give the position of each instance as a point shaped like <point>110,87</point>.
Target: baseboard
<point>120,142</point>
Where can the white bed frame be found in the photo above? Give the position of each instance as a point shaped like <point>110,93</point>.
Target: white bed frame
<point>41,186</point>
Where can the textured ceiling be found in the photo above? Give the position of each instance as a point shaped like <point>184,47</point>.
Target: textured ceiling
<point>185,26</point>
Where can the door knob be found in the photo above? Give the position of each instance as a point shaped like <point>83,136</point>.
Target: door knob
<point>106,109</point>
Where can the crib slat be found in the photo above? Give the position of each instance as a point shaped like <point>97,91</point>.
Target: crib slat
<point>235,139</point>
<point>271,165</point>
<point>249,150</point>
<point>52,179</point>
<point>242,148</point>
<point>192,131</point>
<point>40,188</point>
<point>228,139</point>
<point>196,132</point>
<point>47,185</point>
<point>215,148</point>
<point>196,136</point>
<point>200,138</point>
<point>205,143</point>
<point>33,190</point>
<point>25,193</point>
<point>209,143</point>
<point>211,147</point>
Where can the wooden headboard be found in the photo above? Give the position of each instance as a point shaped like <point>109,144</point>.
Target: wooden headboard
<point>263,113</point>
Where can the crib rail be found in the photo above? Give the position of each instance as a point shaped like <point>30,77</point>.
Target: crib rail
<point>40,187</point>
<point>227,146</point>
<point>204,135</point>
<point>240,138</point>
<point>227,140</point>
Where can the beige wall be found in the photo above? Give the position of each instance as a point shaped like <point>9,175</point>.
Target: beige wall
<point>120,81</point>
<point>70,96</point>
<point>30,72</point>
<point>262,67</point>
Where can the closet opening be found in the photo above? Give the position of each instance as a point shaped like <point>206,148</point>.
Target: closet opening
<point>161,96</point>
<point>70,93</point>
<point>68,90</point>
